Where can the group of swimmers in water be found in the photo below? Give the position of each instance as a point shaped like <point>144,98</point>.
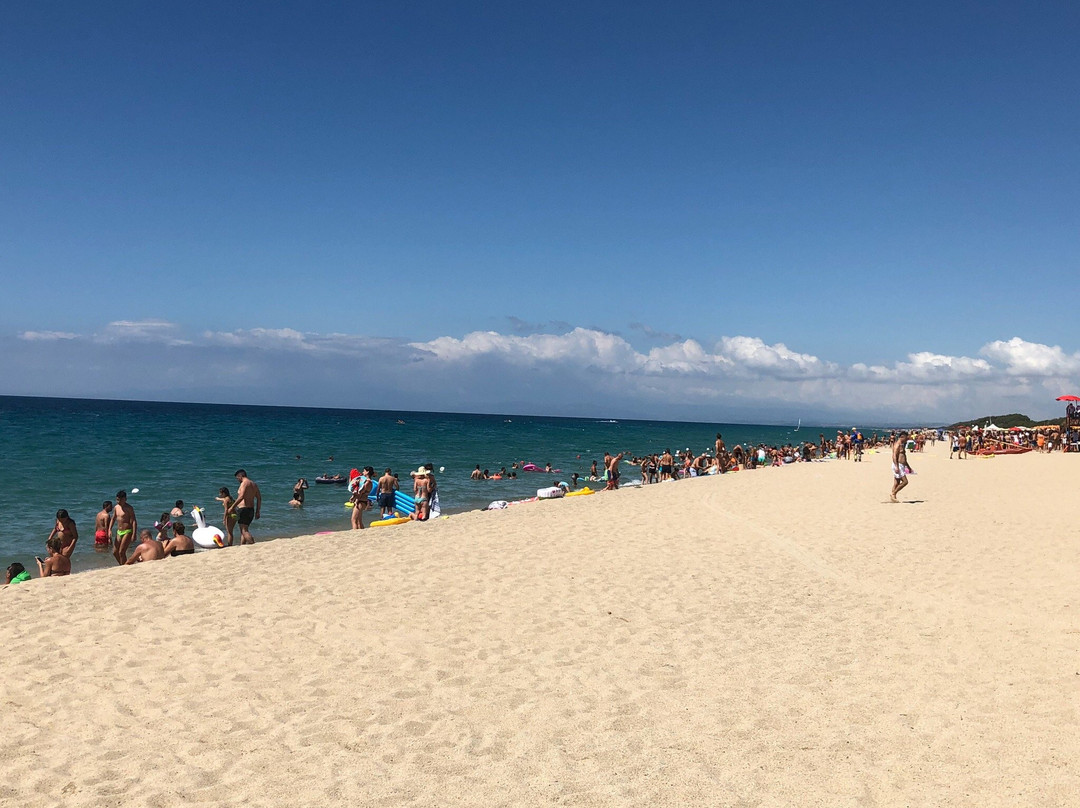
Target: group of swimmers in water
<point>116,527</point>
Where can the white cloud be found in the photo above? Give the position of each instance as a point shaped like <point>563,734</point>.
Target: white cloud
<point>930,368</point>
<point>753,355</point>
<point>141,331</point>
<point>273,338</point>
<point>580,370</point>
<point>1022,358</point>
<point>588,347</point>
<point>47,336</point>
<point>578,347</point>
<point>686,357</point>
<point>292,341</point>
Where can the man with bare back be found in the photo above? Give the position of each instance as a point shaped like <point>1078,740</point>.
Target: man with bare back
<point>101,526</point>
<point>387,485</point>
<point>148,549</point>
<point>667,465</point>
<point>721,453</point>
<point>248,505</point>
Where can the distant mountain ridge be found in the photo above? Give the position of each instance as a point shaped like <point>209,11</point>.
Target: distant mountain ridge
<point>1004,421</point>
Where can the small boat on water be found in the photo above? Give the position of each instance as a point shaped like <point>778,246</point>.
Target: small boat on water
<point>331,479</point>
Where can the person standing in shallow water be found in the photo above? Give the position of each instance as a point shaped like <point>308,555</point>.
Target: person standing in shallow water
<point>422,493</point>
<point>387,485</point>
<point>123,519</point>
<point>101,526</point>
<point>613,471</point>
<point>248,505</point>
<point>225,498</point>
<point>66,532</point>
<point>360,487</point>
<point>298,490</point>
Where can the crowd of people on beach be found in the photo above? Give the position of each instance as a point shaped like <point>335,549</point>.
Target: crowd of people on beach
<point>665,466</point>
<point>116,525</point>
<point>985,439</point>
<point>116,528</point>
<point>662,466</point>
<point>367,491</point>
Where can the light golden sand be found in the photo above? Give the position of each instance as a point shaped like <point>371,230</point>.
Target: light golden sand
<point>776,637</point>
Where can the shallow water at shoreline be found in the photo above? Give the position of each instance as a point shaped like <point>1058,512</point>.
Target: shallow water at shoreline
<point>73,454</point>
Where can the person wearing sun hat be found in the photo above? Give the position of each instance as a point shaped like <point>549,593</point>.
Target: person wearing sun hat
<point>423,490</point>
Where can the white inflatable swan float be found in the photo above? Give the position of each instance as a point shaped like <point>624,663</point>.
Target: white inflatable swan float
<point>205,535</point>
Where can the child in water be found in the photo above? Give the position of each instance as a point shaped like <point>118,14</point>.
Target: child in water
<point>162,527</point>
<point>225,498</point>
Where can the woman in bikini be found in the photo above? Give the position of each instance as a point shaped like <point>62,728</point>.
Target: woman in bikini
<point>361,500</point>
<point>421,493</point>
<point>66,532</point>
<point>179,544</point>
<point>56,563</point>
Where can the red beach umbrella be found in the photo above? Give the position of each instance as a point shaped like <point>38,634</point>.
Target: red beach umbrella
<point>1068,398</point>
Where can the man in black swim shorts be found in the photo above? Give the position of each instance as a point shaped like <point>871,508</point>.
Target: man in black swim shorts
<point>613,472</point>
<point>247,505</point>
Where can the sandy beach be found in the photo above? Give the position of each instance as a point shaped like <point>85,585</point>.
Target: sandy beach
<point>767,638</point>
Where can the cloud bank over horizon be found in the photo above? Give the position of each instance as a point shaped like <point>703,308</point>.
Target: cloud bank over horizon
<point>571,371</point>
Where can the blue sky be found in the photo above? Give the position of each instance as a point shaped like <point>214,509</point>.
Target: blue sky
<point>723,210</point>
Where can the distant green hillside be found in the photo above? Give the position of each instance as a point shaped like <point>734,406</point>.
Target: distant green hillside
<point>1005,421</point>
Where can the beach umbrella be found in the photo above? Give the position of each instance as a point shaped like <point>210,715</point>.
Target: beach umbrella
<point>1068,398</point>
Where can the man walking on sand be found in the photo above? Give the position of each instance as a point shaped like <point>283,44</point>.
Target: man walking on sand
<point>900,466</point>
<point>248,505</point>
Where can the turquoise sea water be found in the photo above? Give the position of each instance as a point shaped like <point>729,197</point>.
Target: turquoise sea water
<point>73,454</point>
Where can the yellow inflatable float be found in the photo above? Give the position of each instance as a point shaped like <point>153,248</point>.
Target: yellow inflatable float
<point>396,520</point>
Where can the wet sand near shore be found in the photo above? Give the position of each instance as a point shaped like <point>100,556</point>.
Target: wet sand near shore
<point>775,637</point>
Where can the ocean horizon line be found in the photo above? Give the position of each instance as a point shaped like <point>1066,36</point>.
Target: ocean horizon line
<point>307,408</point>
